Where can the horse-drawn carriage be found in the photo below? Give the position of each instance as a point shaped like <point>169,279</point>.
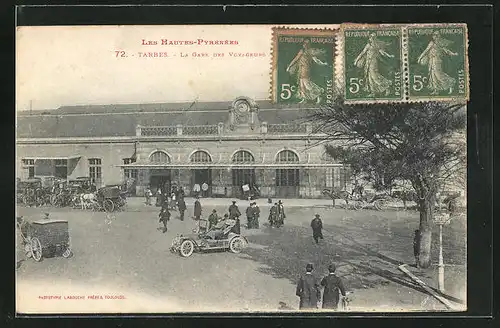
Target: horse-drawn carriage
<point>45,238</point>
<point>111,198</point>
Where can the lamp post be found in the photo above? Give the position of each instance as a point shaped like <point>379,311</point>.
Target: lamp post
<point>441,219</point>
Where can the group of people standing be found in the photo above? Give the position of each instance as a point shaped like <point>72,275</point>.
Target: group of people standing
<point>277,215</point>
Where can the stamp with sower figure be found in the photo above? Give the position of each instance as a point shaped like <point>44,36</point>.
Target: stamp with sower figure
<point>372,63</point>
<point>437,62</point>
<point>303,69</point>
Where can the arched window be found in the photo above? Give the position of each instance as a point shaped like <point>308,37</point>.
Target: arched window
<point>159,157</point>
<point>287,156</point>
<point>200,156</point>
<point>243,156</point>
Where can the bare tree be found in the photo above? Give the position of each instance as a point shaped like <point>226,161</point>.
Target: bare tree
<point>416,142</point>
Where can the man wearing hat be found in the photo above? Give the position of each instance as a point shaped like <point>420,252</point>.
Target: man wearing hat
<point>164,218</point>
<point>332,284</point>
<point>317,227</point>
<point>181,205</point>
<point>273,215</point>
<point>256,215</point>
<point>249,212</point>
<point>213,219</point>
<point>308,290</point>
<point>234,211</point>
<point>281,212</point>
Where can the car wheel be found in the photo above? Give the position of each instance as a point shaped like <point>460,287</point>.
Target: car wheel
<point>187,248</point>
<point>236,245</point>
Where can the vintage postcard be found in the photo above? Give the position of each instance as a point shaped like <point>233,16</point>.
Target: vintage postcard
<point>216,168</point>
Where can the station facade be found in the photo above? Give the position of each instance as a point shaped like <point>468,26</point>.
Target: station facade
<point>222,145</point>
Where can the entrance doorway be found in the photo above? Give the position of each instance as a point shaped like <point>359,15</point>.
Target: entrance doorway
<point>242,177</point>
<point>201,176</point>
<point>160,179</point>
<point>287,183</point>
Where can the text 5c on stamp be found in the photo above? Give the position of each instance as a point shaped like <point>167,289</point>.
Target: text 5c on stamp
<point>373,66</point>
<point>303,66</point>
<point>437,62</point>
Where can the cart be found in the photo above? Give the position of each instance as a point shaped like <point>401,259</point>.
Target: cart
<point>111,198</point>
<point>46,237</point>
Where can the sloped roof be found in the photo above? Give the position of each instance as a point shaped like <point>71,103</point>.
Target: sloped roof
<point>121,120</point>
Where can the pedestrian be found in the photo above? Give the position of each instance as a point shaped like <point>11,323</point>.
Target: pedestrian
<point>164,218</point>
<point>333,284</point>
<point>234,211</point>
<point>197,208</point>
<point>256,215</point>
<point>273,215</point>
<point>317,227</point>
<point>308,290</point>
<point>281,213</point>
<point>416,247</point>
<point>181,205</point>
<point>196,190</point>
<point>249,212</point>
<point>213,219</point>
<point>148,195</point>
<point>158,197</point>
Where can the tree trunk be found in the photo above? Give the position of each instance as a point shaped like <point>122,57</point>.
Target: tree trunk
<point>426,209</point>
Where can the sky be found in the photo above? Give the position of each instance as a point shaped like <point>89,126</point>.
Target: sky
<point>83,65</point>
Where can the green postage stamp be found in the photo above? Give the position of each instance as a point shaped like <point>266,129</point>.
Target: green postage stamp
<point>372,63</point>
<point>438,62</point>
<point>303,67</point>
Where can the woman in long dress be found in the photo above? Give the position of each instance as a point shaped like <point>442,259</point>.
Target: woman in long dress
<point>300,66</point>
<point>368,60</point>
<point>432,56</point>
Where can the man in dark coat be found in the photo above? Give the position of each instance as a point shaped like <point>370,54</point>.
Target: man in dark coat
<point>181,205</point>
<point>256,215</point>
<point>281,213</point>
<point>273,215</point>
<point>197,209</point>
<point>332,284</point>
<point>317,227</point>
<point>213,219</point>
<point>249,212</point>
<point>164,218</point>
<point>234,211</point>
<point>308,290</point>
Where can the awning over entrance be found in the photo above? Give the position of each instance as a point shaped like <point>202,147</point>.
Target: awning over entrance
<point>53,157</point>
<point>228,165</point>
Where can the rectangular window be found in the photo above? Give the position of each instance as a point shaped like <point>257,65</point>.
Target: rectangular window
<point>95,171</point>
<point>127,172</point>
<point>61,168</point>
<point>29,167</point>
<point>329,178</point>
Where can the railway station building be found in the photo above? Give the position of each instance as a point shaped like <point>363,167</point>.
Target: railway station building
<point>222,144</point>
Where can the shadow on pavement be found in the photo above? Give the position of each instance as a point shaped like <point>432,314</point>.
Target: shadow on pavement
<point>288,249</point>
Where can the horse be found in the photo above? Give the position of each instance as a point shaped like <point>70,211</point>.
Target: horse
<point>86,200</point>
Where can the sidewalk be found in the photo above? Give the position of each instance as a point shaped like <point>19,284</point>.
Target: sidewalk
<point>140,201</point>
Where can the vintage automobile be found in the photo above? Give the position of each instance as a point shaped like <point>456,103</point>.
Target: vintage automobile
<point>44,238</point>
<point>82,185</point>
<point>111,198</point>
<point>186,245</point>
